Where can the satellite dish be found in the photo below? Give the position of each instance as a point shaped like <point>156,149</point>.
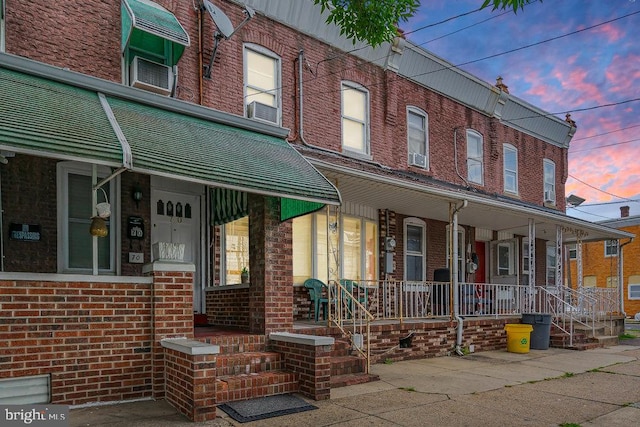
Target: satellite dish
<point>219,18</point>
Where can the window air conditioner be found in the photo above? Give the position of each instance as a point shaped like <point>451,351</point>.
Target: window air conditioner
<point>417,159</point>
<point>550,196</point>
<point>151,76</point>
<point>257,110</point>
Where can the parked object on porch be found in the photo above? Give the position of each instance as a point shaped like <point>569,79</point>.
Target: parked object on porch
<point>316,295</point>
<point>261,408</point>
<point>518,337</point>
<point>244,276</point>
<point>165,251</point>
<point>541,335</point>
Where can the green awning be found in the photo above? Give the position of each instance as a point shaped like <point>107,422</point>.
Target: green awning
<point>147,26</point>
<point>227,205</point>
<point>290,208</point>
<point>40,116</point>
<point>193,149</point>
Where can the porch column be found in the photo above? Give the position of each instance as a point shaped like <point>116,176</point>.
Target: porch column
<point>579,261</point>
<point>270,267</point>
<point>559,262</point>
<point>532,261</point>
<point>171,311</point>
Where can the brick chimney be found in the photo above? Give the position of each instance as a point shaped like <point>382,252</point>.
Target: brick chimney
<point>624,211</point>
<point>500,85</point>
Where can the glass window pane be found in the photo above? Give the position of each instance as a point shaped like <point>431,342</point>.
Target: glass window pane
<point>352,248</point>
<point>236,247</point>
<point>322,268</point>
<point>353,135</point>
<point>302,238</point>
<point>354,104</point>
<point>371,256</point>
<point>261,71</point>
<point>414,239</point>
<point>414,268</point>
<point>266,98</point>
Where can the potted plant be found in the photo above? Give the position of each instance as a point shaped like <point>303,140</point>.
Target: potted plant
<point>244,275</point>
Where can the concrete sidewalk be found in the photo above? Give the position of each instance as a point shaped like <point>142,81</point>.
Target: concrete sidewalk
<point>598,387</point>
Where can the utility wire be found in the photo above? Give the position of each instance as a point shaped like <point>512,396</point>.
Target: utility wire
<point>605,133</point>
<point>613,144</point>
<point>601,190</point>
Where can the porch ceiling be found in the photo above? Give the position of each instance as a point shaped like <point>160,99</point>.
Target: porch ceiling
<point>423,200</point>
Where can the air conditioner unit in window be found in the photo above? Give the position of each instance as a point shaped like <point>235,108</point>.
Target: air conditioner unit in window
<point>550,196</point>
<point>257,110</point>
<point>417,159</point>
<point>151,76</point>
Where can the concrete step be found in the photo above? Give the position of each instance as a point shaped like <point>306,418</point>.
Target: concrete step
<point>248,386</point>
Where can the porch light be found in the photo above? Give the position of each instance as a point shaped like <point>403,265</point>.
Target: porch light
<point>136,194</point>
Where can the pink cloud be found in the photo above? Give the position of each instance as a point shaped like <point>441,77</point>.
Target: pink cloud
<point>610,31</point>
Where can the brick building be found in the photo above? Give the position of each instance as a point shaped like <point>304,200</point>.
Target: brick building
<point>603,263</point>
<point>229,137</point>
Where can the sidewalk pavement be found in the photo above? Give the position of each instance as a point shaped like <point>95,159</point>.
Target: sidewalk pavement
<point>599,387</point>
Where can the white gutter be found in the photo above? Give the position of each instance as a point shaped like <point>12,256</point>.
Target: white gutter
<point>453,263</point>
<point>621,276</point>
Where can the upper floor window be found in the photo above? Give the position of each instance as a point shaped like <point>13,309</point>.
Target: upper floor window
<point>262,84</point>
<point>355,118</point>
<point>475,157</point>
<point>610,248</point>
<point>549,181</point>
<point>510,168</point>
<point>418,137</point>
<point>76,208</point>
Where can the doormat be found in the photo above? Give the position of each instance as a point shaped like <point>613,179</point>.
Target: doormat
<point>265,407</point>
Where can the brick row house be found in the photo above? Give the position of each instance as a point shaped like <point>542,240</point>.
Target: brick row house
<point>605,264</point>
<point>153,153</point>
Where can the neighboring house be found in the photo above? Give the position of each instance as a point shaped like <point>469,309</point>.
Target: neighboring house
<point>264,141</point>
<point>603,263</point>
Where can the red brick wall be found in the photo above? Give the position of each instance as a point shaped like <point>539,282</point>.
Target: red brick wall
<point>228,306</point>
<point>94,339</point>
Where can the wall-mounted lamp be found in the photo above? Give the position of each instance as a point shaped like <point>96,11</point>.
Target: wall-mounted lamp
<point>136,194</point>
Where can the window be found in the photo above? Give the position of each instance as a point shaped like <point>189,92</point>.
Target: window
<point>235,249</point>
<point>460,255</point>
<point>505,265</point>
<point>358,254</point>
<point>610,248</point>
<point>415,250</point>
<point>475,157</point>
<point>612,282</point>
<point>262,84</point>
<point>634,287</point>
<point>573,252</point>
<point>551,264</point>
<point>525,255</point>
<point>589,281</point>
<point>75,244</point>
<point>549,181</point>
<point>510,168</point>
<point>355,118</point>
<point>418,137</point>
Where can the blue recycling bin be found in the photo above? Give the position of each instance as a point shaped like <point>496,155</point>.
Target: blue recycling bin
<point>541,334</point>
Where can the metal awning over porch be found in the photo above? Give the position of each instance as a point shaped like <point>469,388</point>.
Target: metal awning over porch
<point>49,112</point>
<point>422,200</point>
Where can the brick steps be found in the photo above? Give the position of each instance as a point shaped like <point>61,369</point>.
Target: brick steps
<point>248,363</point>
<point>249,386</point>
<point>347,366</point>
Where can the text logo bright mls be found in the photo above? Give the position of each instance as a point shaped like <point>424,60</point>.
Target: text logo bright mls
<point>35,415</point>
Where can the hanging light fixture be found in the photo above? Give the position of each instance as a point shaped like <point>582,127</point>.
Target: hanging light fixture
<point>98,226</point>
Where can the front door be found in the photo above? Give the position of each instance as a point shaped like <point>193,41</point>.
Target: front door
<point>175,218</point>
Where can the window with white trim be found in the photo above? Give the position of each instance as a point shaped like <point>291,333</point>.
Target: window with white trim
<point>510,168</point>
<point>75,209</point>
<point>414,249</point>
<point>358,252</point>
<point>633,289</point>
<point>551,263</point>
<point>235,249</point>
<point>610,248</point>
<point>504,257</point>
<point>418,137</point>
<point>549,181</point>
<point>475,157</point>
<point>573,251</point>
<point>262,82</point>
<point>355,118</point>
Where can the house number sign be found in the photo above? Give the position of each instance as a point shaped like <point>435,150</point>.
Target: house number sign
<point>135,228</point>
<point>25,232</point>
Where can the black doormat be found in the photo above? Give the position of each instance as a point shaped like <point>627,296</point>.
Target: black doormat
<point>265,407</point>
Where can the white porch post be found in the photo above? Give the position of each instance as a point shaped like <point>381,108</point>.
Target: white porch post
<point>559,262</point>
<point>579,261</point>
<point>532,261</point>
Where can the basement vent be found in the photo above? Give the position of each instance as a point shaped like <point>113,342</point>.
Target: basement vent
<point>25,390</point>
<point>151,76</point>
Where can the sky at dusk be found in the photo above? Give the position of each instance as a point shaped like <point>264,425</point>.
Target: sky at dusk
<point>584,59</point>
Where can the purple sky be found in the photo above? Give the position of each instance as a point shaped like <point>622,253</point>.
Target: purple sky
<point>568,73</point>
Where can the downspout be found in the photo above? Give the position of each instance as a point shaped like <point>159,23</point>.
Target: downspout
<point>453,260</point>
<point>621,277</point>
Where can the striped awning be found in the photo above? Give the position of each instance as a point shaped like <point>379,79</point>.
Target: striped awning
<point>227,205</point>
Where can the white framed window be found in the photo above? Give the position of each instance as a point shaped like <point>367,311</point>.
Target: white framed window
<point>355,118</point>
<point>475,157</point>
<point>610,248</point>
<point>551,264</point>
<point>415,249</point>
<point>549,181</point>
<point>573,252</point>
<point>504,259</point>
<point>525,255</point>
<point>460,258</point>
<point>75,209</point>
<point>234,250</point>
<point>262,83</point>
<point>418,137</point>
<point>633,289</point>
<point>510,168</point>
<point>358,252</point>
